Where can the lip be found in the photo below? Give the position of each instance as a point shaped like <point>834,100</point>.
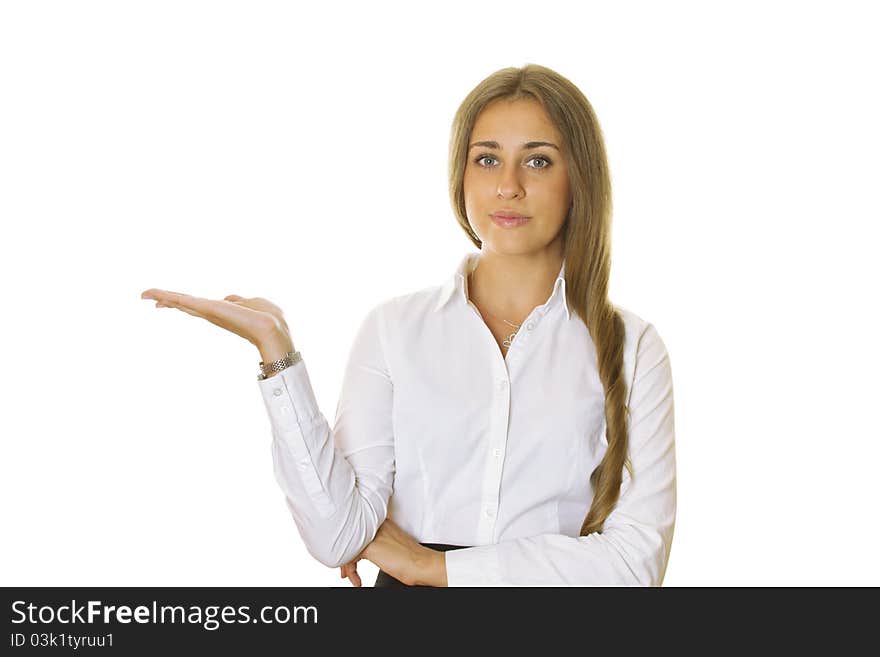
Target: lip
<point>509,214</point>
<point>507,219</point>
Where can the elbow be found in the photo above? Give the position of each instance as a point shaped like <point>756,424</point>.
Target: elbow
<point>336,549</point>
<point>327,544</point>
<point>333,562</point>
<point>653,568</point>
<point>645,553</point>
<point>652,577</point>
<point>649,572</point>
<point>326,558</point>
<point>334,558</point>
<point>656,571</point>
<point>345,543</point>
<point>339,559</point>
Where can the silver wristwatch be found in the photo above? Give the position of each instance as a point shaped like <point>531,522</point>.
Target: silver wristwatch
<point>292,358</point>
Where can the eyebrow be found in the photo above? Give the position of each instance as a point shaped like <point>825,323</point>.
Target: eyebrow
<point>526,146</point>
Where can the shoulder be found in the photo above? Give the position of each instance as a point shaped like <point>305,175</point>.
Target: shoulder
<point>409,307</point>
<point>641,335</point>
<point>392,318</point>
<point>645,355</point>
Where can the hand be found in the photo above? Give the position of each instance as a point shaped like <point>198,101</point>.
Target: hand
<point>256,320</point>
<point>350,570</point>
<point>405,559</point>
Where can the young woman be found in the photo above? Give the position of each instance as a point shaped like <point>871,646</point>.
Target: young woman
<point>511,427</point>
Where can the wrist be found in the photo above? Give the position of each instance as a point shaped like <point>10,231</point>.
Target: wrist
<point>274,346</point>
<point>432,570</point>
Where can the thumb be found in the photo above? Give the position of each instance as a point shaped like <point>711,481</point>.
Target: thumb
<point>253,304</point>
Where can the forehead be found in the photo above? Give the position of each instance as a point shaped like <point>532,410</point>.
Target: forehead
<point>516,121</point>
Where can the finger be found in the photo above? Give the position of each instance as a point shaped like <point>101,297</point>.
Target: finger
<point>155,293</point>
<point>353,572</point>
<point>180,306</point>
<point>197,306</point>
<point>350,570</point>
<point>254,304</point>
<point>170,304</point>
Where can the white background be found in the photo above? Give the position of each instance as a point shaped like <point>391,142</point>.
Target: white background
<point>297,151</point>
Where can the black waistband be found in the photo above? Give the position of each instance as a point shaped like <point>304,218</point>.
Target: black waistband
<point>443,547</point>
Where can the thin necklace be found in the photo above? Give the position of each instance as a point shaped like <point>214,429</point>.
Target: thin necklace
<point>509,340</point>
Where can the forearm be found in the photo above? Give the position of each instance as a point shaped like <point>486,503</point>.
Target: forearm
<point>432,569</point>
<point>338,480</point>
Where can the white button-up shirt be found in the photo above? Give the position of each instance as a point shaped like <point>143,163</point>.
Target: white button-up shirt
<point>459,444</point>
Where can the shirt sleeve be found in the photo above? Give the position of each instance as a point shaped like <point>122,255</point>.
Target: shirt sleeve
<point>337,482</point>
<point>633,547</point>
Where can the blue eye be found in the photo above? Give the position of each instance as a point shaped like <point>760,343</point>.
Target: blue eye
<point>486,156</point>
<point>541,157</point>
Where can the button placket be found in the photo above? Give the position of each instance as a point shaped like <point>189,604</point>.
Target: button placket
<point>496,439</point>
<point>522,337</point>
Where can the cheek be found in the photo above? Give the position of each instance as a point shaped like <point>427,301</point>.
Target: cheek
<point>472,185</point>
<point>564,187</point>
<point>557,193</point>
<point>475,194</point>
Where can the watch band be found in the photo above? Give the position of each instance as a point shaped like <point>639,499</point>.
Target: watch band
<point>290,359</point>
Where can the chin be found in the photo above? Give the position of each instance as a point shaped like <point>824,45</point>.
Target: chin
<point>511,247</point>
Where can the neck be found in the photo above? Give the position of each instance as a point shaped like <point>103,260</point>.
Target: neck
<point>511,286</point>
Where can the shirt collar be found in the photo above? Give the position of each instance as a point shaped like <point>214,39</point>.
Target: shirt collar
<point>455,286</point>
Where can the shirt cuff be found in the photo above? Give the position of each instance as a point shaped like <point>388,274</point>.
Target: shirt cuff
<point>473,566</point>
<point>300,433</point>
<point>290,390</point>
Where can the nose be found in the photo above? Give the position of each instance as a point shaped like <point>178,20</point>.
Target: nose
<point>509,185</point>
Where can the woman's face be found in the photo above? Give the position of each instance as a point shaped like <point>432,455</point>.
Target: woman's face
<point>508,171</point>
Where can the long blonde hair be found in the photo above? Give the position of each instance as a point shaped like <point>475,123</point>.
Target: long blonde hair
<point>587,243</point>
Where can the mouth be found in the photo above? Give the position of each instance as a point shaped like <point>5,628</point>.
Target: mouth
<point>508,220</point>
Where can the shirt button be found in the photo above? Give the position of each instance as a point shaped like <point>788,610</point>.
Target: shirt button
<point>490,513</point>
<point>530,325</point>
<point>496,452</point>
<point>277,392</point>
<point>285,410</point>
<point>303,464</point>
<point>502,385</point>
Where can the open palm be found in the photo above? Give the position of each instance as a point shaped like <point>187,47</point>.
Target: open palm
<point>253,319</point>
